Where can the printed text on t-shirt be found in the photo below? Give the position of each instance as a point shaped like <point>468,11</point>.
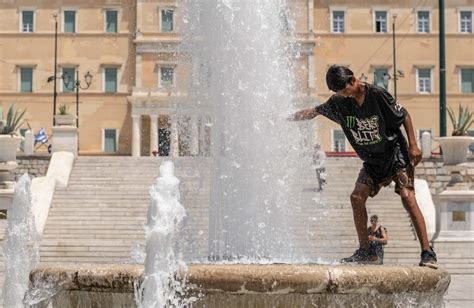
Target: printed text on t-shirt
<point>364,131</point>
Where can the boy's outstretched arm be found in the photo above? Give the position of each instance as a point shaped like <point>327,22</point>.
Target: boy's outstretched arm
<point>305,114</point>
<point>413,150</point>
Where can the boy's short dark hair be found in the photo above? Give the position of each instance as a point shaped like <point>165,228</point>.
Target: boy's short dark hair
<point>338,76</point>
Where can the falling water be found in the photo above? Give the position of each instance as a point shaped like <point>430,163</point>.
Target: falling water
<point>21,245</point>
<point>241,56</point>
<point>161,286</point>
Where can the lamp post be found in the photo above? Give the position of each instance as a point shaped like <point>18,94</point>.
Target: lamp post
<point>442,71</point>
<point>394,58</point>
<point>55,93</point>
<point>77,86</point>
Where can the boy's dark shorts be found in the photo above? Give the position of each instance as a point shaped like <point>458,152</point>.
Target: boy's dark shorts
<point>403,178</point>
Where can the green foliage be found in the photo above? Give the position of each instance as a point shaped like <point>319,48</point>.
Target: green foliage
<point>463,122</point>
<point>13,121</point>
<point>63,110</point>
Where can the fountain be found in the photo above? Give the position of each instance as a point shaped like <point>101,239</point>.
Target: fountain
<point>245,78</point>
<point>160,286</point>
<point>240,54</point>
<point>21,245</point>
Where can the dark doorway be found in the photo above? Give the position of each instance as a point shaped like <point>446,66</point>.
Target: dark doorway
<point>164,141</point>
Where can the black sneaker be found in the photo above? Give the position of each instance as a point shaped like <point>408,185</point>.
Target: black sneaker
<point>363,256</point>
<point>428,258</point>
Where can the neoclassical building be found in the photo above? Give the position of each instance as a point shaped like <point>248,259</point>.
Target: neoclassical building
<point>131,48</point>
<point>161,82</point>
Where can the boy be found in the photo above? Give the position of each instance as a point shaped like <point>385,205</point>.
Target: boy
<point>371,120</point>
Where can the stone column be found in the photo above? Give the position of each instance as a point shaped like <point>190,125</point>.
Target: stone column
<point>153,133</point>
<point>194,135</point>
<point>136,135</point>
<point>174,142</point>
<point>311,75</point>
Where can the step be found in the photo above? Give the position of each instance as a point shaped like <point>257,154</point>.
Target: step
<point>76,260</point>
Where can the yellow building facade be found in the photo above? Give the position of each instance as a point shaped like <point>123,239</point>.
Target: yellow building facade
<point>95,37</point>
<point>130,47</point>
<point>360,34</point>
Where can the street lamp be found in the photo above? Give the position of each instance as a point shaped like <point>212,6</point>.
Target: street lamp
<point>396,73</point>
<point>53,78</point>
<point>77,86</point>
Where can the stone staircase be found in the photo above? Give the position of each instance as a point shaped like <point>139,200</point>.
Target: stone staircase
<point>100,216</point>
<point>333,234</point>
<point>403,247</point>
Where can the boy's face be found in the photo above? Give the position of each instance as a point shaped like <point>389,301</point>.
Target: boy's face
<point>350,90</point>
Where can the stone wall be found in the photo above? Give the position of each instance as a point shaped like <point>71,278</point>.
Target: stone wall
<point>35,165</point>
<point>432,171</point>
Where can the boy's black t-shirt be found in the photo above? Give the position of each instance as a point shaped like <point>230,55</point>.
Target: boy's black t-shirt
<point>372,129</point>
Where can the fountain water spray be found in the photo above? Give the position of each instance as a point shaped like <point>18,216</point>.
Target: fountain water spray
<point>21,245</point>
<point>162,285</point>
<point>242,55</point>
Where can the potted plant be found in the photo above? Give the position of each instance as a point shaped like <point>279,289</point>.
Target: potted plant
<point>455,148</point>
<point>9,138</point>
<point>63,117</point>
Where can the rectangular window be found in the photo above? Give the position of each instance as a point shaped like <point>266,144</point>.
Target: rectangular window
<point>423,24</point>
<point>70,21</point>
<point>110,140</point>
<point>465,19</point>
<point>381,22</point>
<point>381,77</point>
<point>467,80</point>
<point>27,18</point>
<point>166,76</point>
<point>26,79</point>
<point>111,21</point>
<point>69,79</point>
<point>338,21</point>
<point>424,80</point>
<point>110,80</point>
<point>339,141</point>
<point>167,20</point>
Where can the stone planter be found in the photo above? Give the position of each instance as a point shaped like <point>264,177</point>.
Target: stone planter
<point>8,146</point>
<point>455,149</point>
<point>66,119</point>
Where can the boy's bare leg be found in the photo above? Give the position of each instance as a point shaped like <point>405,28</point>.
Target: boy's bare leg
<point>410,204</point>
<point>359,211</point>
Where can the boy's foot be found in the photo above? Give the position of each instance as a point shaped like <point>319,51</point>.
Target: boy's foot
<point>428,259</point>
<point>363,256</point>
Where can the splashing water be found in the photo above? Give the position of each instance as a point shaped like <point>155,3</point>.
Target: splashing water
<point>21,245</point>
<point>242,54</point>
<point>161,286</point>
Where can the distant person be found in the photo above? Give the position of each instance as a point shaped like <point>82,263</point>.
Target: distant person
<point>319,163</point>
<point>371,119</point>
<point>378,237</point>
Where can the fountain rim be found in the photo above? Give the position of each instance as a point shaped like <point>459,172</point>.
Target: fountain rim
<point>254,278</point>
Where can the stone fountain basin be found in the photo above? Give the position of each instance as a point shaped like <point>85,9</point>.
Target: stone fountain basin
<point>237,285</point>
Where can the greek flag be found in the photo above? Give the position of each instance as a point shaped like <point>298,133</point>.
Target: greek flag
<point>42,138</point>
